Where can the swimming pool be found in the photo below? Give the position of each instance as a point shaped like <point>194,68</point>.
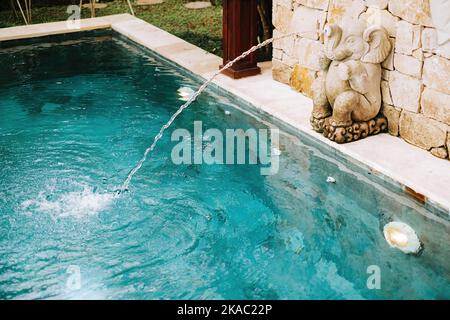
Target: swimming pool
<point>76,114</point>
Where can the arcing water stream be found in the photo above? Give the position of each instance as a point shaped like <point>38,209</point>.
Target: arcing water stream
<point>188,103</point>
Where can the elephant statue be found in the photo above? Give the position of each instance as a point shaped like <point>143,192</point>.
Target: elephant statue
<point>347,92</point>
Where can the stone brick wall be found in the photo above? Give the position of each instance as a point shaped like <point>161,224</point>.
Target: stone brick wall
<point>416,76</point>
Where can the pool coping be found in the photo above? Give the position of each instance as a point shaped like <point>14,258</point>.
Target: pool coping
<point>420,175</point>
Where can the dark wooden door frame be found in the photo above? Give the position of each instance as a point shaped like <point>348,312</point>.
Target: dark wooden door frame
<point>239,35</point>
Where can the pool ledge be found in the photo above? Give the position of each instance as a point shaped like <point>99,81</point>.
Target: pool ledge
<point>421,175</point>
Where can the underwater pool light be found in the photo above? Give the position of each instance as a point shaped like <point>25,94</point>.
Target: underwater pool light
<point>185,93</point>
<point>401,236</point>
<point>275,151</point>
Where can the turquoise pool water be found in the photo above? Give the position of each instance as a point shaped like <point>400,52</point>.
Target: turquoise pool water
<point>76,114</point>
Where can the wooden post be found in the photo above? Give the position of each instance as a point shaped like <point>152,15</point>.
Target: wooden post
<point>92,8</point>
<point>239,35</point>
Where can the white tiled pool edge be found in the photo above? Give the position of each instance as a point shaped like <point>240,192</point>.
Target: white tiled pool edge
<point>408,165</point>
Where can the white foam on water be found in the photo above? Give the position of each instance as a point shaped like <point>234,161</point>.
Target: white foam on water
<point>331,180</point>
<point>73,204</point>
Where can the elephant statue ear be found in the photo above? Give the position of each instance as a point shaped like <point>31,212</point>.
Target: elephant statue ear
<point>379,45</point>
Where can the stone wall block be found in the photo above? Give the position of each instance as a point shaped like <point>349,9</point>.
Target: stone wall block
<point>414,11</point>
<point>440,152</point>
<point>339,9</point>
<point>283,3</point>
<point>418,130</point>
<point>379,4</point>
<point>436,105</point>
<point>393,116</point>
<point>281,19</point>
<point>407,37</point>
<point>302,79</point>
<point>280,71</point>
<point>436,73</point>
<point>308,53</point>
<point>408,65</point>
<point>308,22</point>
<point>315,4</point>
<point>405,91</point>
<point>430,43</point>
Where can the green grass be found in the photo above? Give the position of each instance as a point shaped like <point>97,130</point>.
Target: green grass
<point>200,27</point>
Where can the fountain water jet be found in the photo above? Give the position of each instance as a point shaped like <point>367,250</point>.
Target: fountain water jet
<point>188,103</point>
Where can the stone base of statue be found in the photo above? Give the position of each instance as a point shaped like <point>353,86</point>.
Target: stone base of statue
<point>356,131</point>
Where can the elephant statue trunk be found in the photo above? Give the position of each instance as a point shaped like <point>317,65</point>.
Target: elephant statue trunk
<point>333,35</point>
